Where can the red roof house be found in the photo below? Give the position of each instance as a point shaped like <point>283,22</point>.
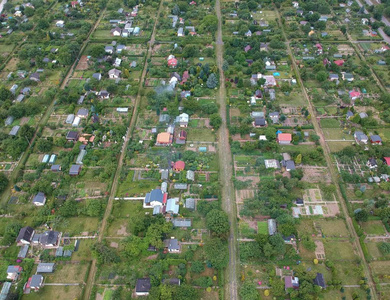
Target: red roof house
<point>387,160</point>
<point>185,77</point>
<point>339,62</point>
<point>284,138</point>
<point>354,95</point>
<point>319,46</point>
<point>172,63</point>
<point>247,48</point>
<point>179,166</point>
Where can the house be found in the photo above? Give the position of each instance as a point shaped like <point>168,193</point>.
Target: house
<point>45,268</point>
<point>179,166</point>
<point>190,175</point>
<point>13,272</point>
<point>349,114</point>
<point>299,202</point>
<point>353,95</point>
<point>291,282</point>
<point>25,236</point>
<point>120,48</point>
<point>154,198</point>
<point>13,89</point>
<point>23,251</point>
<point>386,160</point>
<point>80,157</point>
<point>375,139</point>
<point>333,77</point>
<point>103,94</point>
<point>190,204</point>
<point>269,64</point>
<point>82,113</point>
<point>35,77</point>
<point>371,163</point>
<point>264,47</point>
<point>133,64</point>
<point>116,31</point>
<point>323,19</point>
<point>109,49</point>
<point>97,76</point>
<point>284,138</point>
<point>363,115</point>
<point>114,74</point>
<point>50,239</point>
<point>81,100</point>
<point>258,94</point>
<point>39,199</point>
<point>172,61</point>
<point>72,136</point>
<point>289,165</point>
<point>339,62</point>
<point>26,91</point>
<point>271,226</point>
<point>259,122</point>
<point>172,206</point>
<point>274,116</point>
<point>185,94</point>
<point>74,170</point>
<point>5,290</point>
<point>182,223</point>
<point>14,131</point>
<point>164,138</point>
<point>117,62</point>
<point>142,287</point>
<point>364,21</point>
<point>360,137</point>
<point>247,48</point>
<point>35,282</point>
<point>180,186</point>
<point>348,77</point>
<point>55,168</point>
<point>182,120</point>
<point>60,24</point>
<point>9,121</point>
<point>173,245</point>
<point>180,32</point>
<point>248,33</point>
<point>271,164</point>
<point>320,281</point>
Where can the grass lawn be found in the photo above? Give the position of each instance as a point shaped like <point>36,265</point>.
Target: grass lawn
<point>201,135</point>
<point>333,227</point>
<point>84,252</point>
<point>130,188</point>
<point>336,134</point>
<point>69,273</point>
<point>338,146</point>
<point>108,294</point>
<point>262,227</point>
<point>330,123</point>
<point>374,251</point>
<point>373,227</point>
<point>75,226</point>
<point>55,292</point>
<point>306,227</point>
<point>380,268</point>
<point>339,250</point>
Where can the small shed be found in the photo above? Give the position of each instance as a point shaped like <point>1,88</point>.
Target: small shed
<point>14,131</point>
<point>45,268</point>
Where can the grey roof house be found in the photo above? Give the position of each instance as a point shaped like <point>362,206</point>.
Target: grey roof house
<point>39,199</point>
<point>45,268</point>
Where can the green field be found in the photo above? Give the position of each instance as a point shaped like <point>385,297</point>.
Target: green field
<point>330,123</point>
<point>262,227</point>
<point>374,227</point>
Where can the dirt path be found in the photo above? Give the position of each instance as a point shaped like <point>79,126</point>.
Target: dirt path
<point>226,165</point>
<point>92,274</point>
<point>333,171</point>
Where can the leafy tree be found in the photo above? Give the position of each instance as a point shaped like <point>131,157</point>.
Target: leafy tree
<point>209,23</point>
<point>133,246</point>
<point>217,221</point>
<point>212,81</point>
<point>69,209</point>
<point>94,208</point>
<point>197,267</point>
<point>248,291</point>
<point>3,182</point>
<point>44,145</point>
<point>26,131</point>
<point>215,121</point>
<point>5,94</point>
<point>208,108</point>
<point>217,253</point>
<point>322,76</point>
<point>361,216</point>
<point>97,51</point>
<point>104,254</point>
<point>384,248</point>
<point>10,233</point>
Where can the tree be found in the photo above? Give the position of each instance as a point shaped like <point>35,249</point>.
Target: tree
<point>298,159</point>
<point>209,23</point>
<point>3,182</point>
<point>97,51</point>
<point>26,131</point>
<point>10,233</point>
<point>208,107</point>
<point>5,94</point>
<point>361,215</point>
<point>94,208</point>
<point>69,209</point>
<point>321,76</point>
<point>104,254</point>
<point>215,121</point>
<point>197,267</point>
<point>212,81</point>
<point>217,253</point>
<point>248,291</point>
<point>133,245</point>
<point>217,221</point>
<point>44,145</point>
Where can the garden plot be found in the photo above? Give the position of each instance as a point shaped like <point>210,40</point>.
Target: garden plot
<point>316,174</point>
<point>353,166</point>
<point>380,269</point>
<point>320,250</point>
<point>374,228</point>
<point>83,63</point>
<point>242,195</point>
<point>345,49</point>
<point>312,196</point>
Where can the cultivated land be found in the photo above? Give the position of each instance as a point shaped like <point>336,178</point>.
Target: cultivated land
<point>195,149</point>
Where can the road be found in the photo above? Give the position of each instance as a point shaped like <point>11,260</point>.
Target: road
<point>332,169</point>
<point>226,172</point>
<point>92,273</point>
